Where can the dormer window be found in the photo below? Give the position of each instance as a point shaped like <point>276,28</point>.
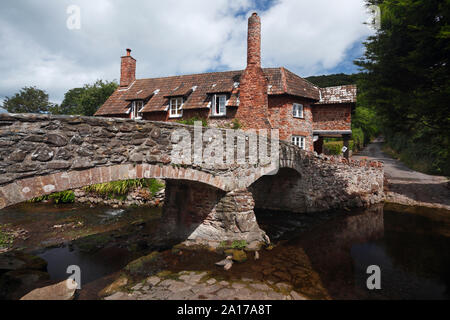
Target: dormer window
<point>298,111</point>
<point>219,103</point>
<point>136,109</point>
<point>176,107</point>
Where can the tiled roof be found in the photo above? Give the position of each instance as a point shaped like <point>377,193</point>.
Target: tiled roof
<point>197,88</point>
<point>339,94</point>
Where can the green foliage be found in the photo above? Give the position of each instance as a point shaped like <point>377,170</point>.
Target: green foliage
<point>364,119</point>
<point>358,139</point>
<point>333,80</point>
<point>6,239</point>
<point>58,197</point>
<point>86,100</point>
<point>242,244</point>
<point>28,100</point>
<point>335,147</point>
<point>191,121</point>
<point>419,150</point>
<point>406,80</point>
<point>63,197</point>
<point>236,124</point>
<point>38,199</point>
<point>121,188</point>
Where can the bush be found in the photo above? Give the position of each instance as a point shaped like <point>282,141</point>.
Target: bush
<point>420,150</point>
<point>335,147</point>
<point>358,139</point>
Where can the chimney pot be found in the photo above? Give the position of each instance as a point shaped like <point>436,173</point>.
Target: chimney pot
<point>128,52</point>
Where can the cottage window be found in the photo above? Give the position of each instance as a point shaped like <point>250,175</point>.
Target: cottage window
<point>219,102</point>
<point>299,141</point>
<point>136,107</point>
<point>298,111</point>
<point>176,105</point>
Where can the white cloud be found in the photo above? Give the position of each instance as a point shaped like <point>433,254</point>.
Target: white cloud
<point>167,38</point>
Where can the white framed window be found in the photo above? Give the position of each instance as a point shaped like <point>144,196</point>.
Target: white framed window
<point>136,107</point>
<point>299,141</point>
<point>297,110</point>
<point>176,107</point>
<point>219,105</point>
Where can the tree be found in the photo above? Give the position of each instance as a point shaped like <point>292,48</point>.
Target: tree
<point>28,100</point>
<point>406,77</point>
<point>86,100</point>
<point>71,101</point>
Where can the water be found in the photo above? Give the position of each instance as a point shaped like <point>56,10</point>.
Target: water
<point>324,256</point>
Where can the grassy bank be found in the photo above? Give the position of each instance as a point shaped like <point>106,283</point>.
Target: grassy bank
<point>59,197</point>
<point>122,188</point>
<point>115,189</point>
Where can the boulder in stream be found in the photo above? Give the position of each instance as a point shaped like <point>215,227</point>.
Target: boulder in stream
<point>59,291</point>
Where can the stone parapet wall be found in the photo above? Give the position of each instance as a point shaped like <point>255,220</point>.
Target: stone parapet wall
<point>43,154</point>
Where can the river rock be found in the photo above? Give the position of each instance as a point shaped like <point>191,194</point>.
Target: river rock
<point>59,291</point>
<point>238,255</point>
<point>17,260</point>
<point>14,284</point>
<point>143,265</point>
<point>223,262</point>
<point>114,287</point>
<point>228,266</point>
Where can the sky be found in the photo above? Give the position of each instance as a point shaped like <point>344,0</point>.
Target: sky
<point>41,47</point>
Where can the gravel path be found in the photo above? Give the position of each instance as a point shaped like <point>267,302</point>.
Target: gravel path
<point>406,186</point>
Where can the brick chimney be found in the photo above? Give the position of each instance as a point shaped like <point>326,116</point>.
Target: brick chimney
<point>127,70</point>
<point>253,108</point>
<point>254,41</point>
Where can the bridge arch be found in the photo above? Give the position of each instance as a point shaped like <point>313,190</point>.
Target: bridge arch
<point>30,188</point>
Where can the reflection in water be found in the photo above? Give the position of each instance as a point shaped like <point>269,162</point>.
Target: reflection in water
<point>414,260</point>
<point>324,256</point>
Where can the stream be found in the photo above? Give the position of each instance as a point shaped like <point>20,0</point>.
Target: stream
<point>322,255</point>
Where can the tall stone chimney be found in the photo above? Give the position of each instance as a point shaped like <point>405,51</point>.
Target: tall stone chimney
<point>127,70</point>
<point>253,110</point>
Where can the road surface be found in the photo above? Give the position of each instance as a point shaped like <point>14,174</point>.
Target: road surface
<point>407,186</point>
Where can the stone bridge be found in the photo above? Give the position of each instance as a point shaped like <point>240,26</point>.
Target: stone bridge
<point>205,200</point>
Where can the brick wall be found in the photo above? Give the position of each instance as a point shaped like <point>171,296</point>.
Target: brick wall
<point>127,71</point>
<point>332,117</point>
<point>281,117</point>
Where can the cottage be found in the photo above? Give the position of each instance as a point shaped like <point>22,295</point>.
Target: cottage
<point>254,98</point>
